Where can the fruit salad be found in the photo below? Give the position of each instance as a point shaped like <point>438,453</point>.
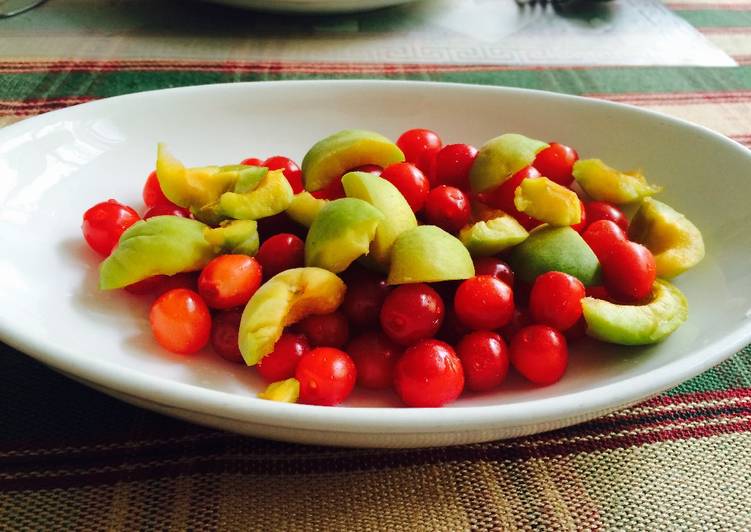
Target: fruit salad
<point>425,268</point>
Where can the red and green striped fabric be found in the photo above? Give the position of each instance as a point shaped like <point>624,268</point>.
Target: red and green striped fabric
<point>71,458</point>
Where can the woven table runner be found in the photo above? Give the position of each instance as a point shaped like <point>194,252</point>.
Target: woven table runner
<point>74,459</point>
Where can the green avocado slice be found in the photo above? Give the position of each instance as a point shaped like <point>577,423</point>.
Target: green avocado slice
<point>555,249</point>
<point>162,245</point>
<point>637,324</point>
<point>341,232</point>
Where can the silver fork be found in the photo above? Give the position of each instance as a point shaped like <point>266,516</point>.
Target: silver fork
<point>9,8</point>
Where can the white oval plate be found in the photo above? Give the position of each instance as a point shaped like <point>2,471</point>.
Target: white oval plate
<point>312,6</point>
<point>53,167</point>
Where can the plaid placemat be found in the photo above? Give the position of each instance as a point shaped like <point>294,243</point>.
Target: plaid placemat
<point>73,459</point>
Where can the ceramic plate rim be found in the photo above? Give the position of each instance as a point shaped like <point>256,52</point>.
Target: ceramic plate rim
<point>374,419</point>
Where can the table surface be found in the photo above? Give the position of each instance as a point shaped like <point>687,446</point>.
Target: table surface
<point>71,458</point>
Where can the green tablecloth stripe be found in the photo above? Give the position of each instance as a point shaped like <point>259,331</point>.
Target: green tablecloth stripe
<point>717,18</point>
<point>101,84</point>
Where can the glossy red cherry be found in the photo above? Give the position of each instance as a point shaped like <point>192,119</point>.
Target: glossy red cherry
<point>484,357</point>
<point>365,295</point>
<point>420,147</point>
<point>556,162</point>
<point>225,328</point>
<point>330,330</point>
<point>152,191</point>
<point>429,374</point>
<point>289,168</point>
<point>281,363</point>
<point>281,252</point>
<point>496,268</point>
<point>448,208</point>
<point>555,300</point>
<point>452,165</point>
<point>602,236</point>
<point>540,354</point>
<point>484,302</point>
<point>602,210</point>
<point>326,376</point>
<point>410,181</point>
<point>166,209</point>
<point>375,357</point>
<point>629,271</point>
<point>104,223</point>
<point>411,312</point>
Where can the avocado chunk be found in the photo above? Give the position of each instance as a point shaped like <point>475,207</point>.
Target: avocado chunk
<point>637,324</point>
<point>234,236</point>
<point>675,242</point>
<point>272,195</point>
<point>490,237</point>
<point>385,197</point>
<point>193,188</point>
<point>547,201</point>
<point>162,245</point>
<point>284,299</point>
<point>603,183</point>
<point>559,249</point>
<point>334,155</point>
<point>428,254</point>
<point>341,232</point>
<point>305,207</point>
<point>286,391</point>
<point>501,157</point>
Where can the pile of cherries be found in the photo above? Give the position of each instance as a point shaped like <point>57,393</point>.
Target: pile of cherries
<point>429,342</point>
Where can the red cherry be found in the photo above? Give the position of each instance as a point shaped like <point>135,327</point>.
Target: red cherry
<point>495,267</point>
<point>369,168</point>
<point>152,191</point>
<point>104,223</point>
<point>452,165</point>
<point>502,196</point>
<point>602,236</point>
<point>281,252</point>
<point>332,191</point>
<point>146,286</point>
<point>410,181</point>
<point>166,209</point>
<point>374,356</point>
<point>519,320</point>
<point>229,281</point>
<point>252,161</point>
<point>556,300</point>
<point>540,354</point>
<point>180,321</point>
<point>484,302</point>
<point>420,147</point>
<point>448,208</point>
<point>582,225</point>
<point>429,374</point>
<point>602,210</point>
<point>330,330</point>
<point>281,363</point>
<point>225,328</point>
<point>484,357</point>
<point>411,312</point>
<point>326,376</point>
<point>289,168</point>
<point>364,299</point>
<point>556,162</point>
<point>599,292</point>
<point>629,271</point>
